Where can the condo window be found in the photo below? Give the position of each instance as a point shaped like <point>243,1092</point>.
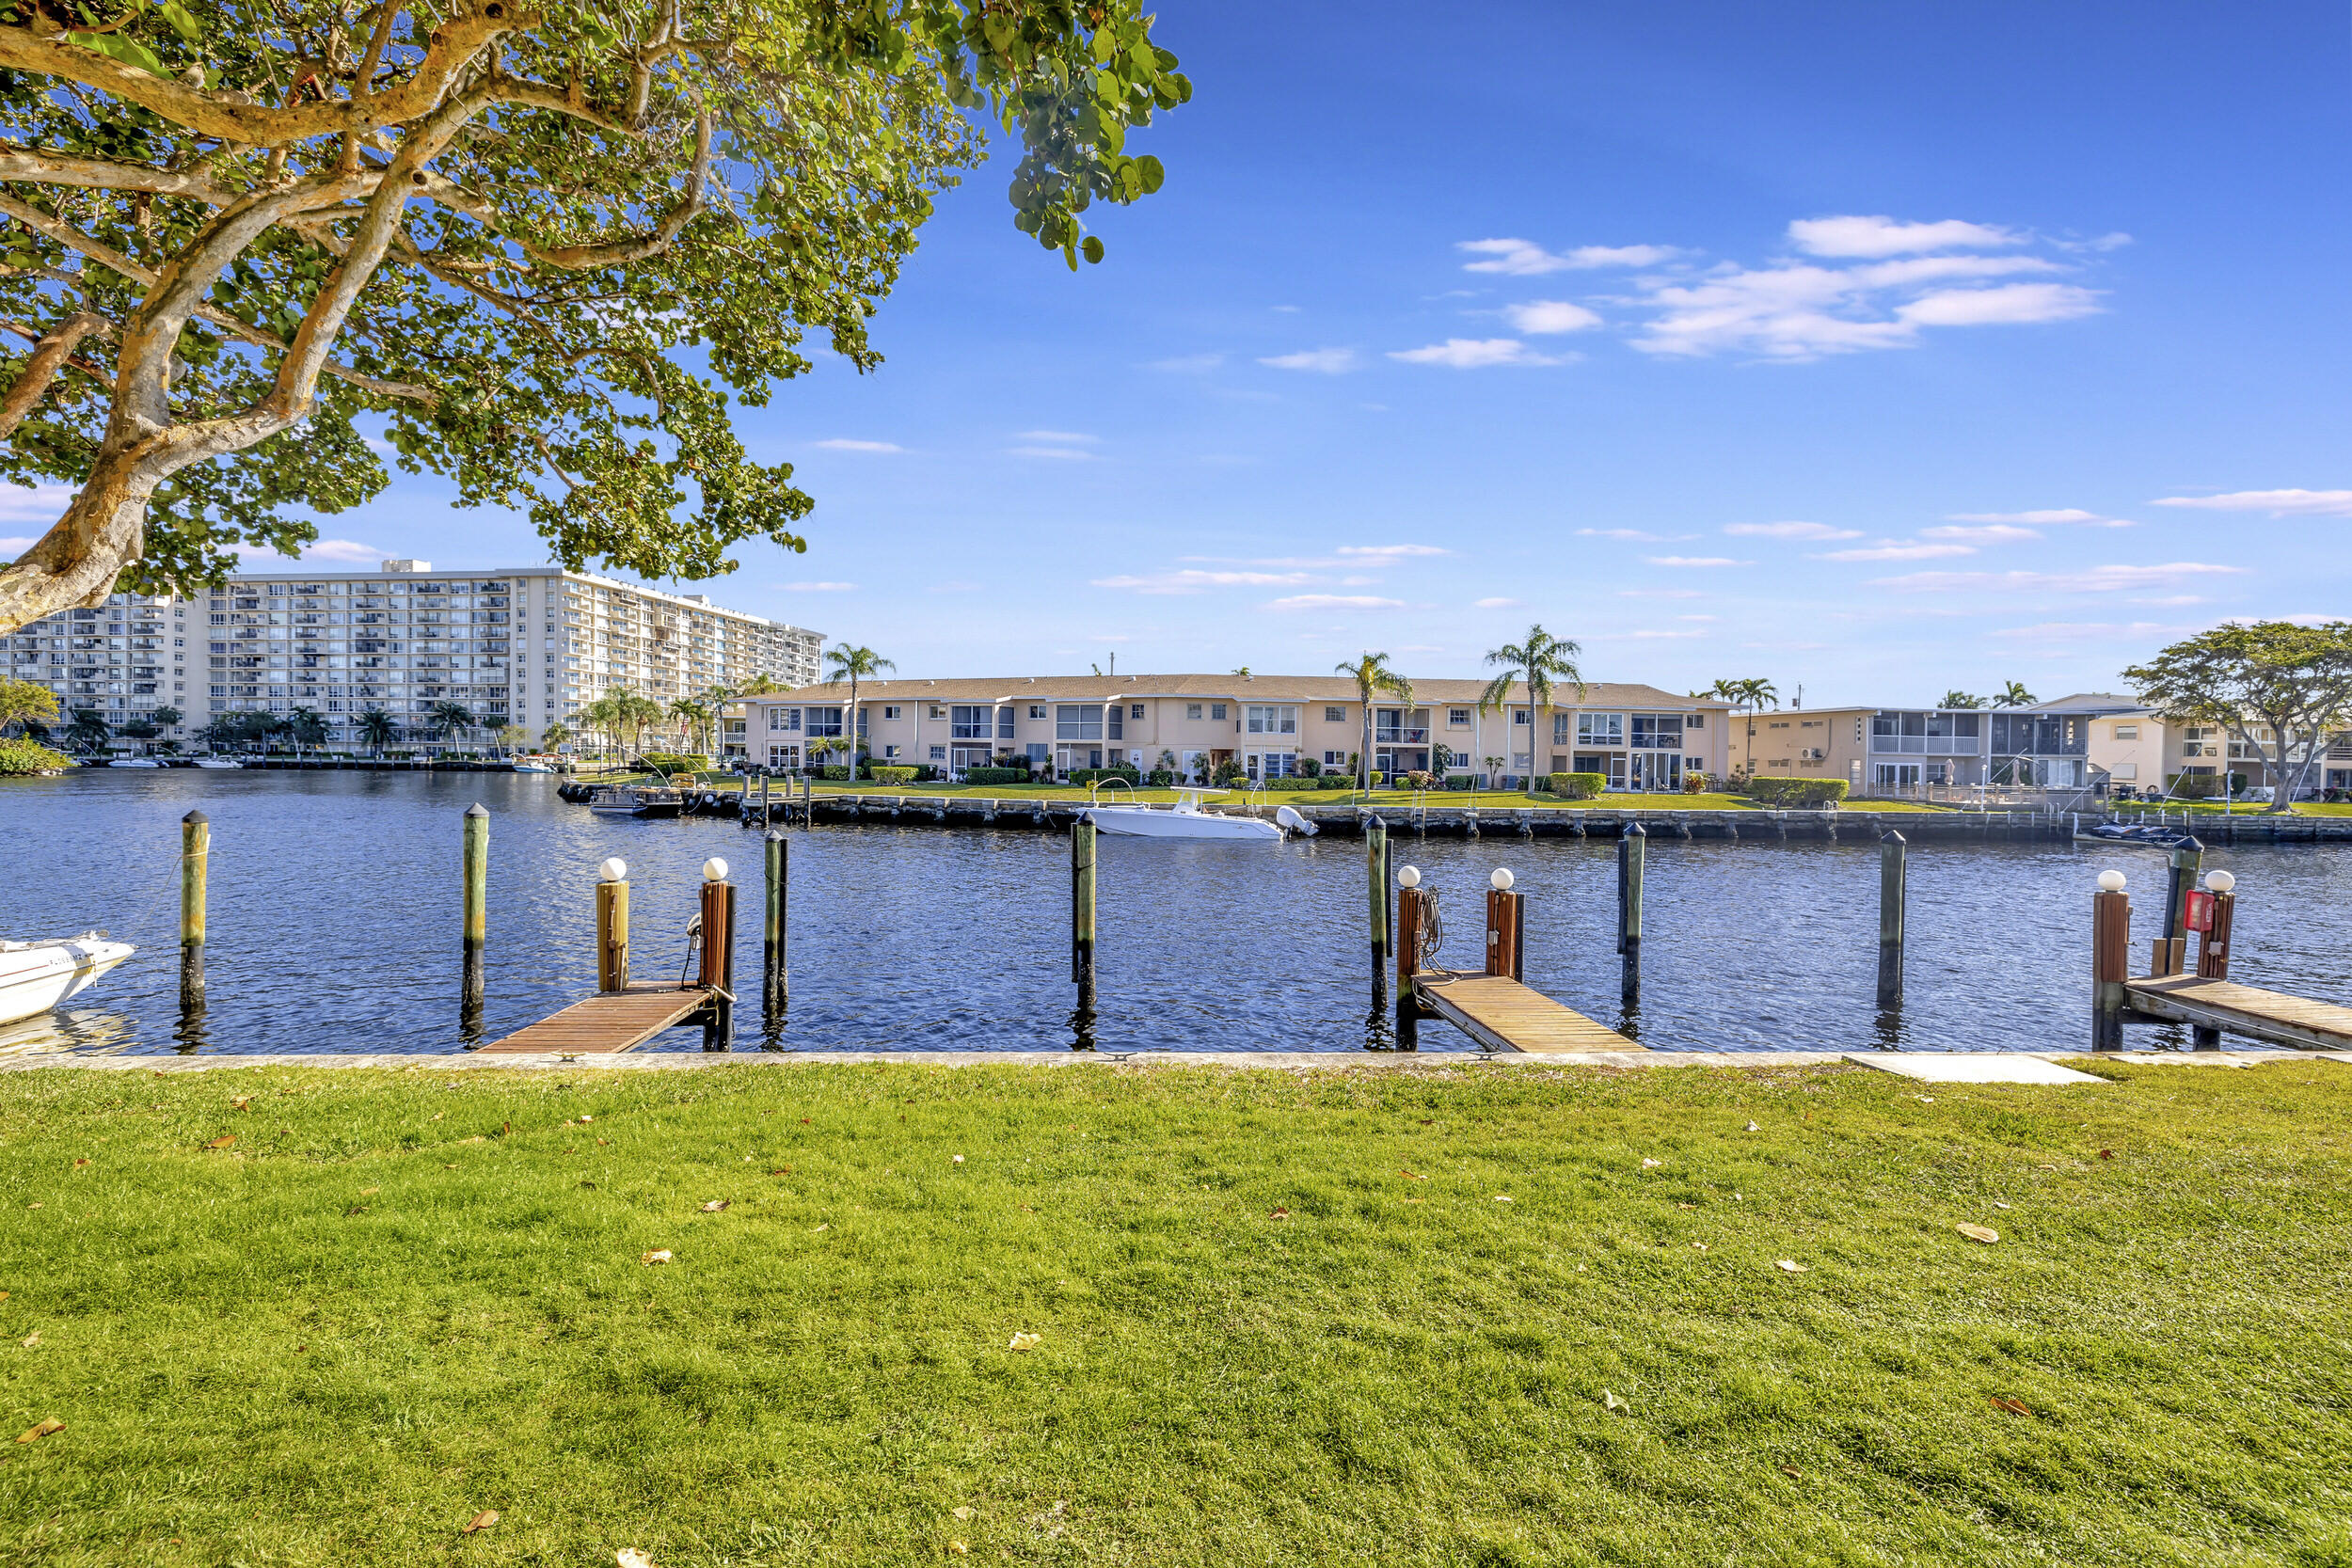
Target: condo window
<point>2127,732</point>
<point>1216,711</point>
<point>890,710</point>
<point>1192,710</point>
<point>1037,710</point>
<point>1272,721</point>
<point>1077,721</point>
<point>824,720</point>
<point>1601,729</point>
<point>1458,717</point>
<point>1335,716</point>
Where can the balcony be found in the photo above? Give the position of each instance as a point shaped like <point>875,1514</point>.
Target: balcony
<point>1401,736</point>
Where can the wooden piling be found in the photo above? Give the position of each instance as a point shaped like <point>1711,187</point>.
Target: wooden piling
<point>1891,898</point>
<point>196,854</point>
<point>1506,933</point>
<point>2110,964</point>
<point>612,936</point>
<point>1081,912</point>
<point>764,818</point>
<point>718,964</point>
<point>775,981</point>
<point>477,872</point>
<point>1632,850</point>
<point>2213,950</point>
<point>1376,886</point>
<point>2187,858</point>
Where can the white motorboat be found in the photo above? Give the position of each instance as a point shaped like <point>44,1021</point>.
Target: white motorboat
<point>134,762</point>
<point>35,976</point>
<point>529,766</point>
<point>217,762</point>
<point>1185,819</point>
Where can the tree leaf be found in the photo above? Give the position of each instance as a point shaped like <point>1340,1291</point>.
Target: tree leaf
<point>483,1520</point>
<point>47,1429</point>
<point>1979,1234</point>
<point>116,47</point>
<point>182,23</point>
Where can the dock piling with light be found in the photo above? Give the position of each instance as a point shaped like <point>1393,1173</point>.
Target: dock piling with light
<point>196,853</point>
<point>2110,960</point>
<point>718,955</point>
<point>612,926</point>
<point>1506,927</point>
<point>2170,955</point>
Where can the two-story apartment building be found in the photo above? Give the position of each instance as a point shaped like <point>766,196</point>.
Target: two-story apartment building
<point>1636,737</point>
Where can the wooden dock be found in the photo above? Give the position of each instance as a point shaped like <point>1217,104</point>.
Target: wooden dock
<point>2265,1015</point>
<point>1504,1015</point>
<point>608,1021</point>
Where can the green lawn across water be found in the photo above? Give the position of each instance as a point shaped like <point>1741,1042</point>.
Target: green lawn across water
<point>1416,1314</point>
<point>1384,799</point>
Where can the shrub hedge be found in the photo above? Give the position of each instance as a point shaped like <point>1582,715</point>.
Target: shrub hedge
<point>893,775</point>
<point>838,773</point>
<point>1088,775</point>
<point>1796,793</point>
<point>675,762</point>
<point>19,755</point>
<point>1574,786</point>
<point>996,775</point>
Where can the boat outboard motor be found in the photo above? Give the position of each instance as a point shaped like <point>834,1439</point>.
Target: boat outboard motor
<point>1288,817</point>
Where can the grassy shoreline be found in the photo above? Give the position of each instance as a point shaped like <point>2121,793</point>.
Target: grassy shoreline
<point>1279,1318</point>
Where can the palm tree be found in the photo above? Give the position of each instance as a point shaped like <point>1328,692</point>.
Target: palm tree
<point>554,736</point>
<point>1959,699</point>
<point>693,718</point>
<point>377,729</point>
<point>761,685</point>
<point>88,731</point>
<point>167,717</point>
<point>2015,695</point>
<point>306,728</point>
<point>1537,660</point>
<point>1372,675</point>
<point>511,737</point>
<point>845,663</point>
<point>451,716</point>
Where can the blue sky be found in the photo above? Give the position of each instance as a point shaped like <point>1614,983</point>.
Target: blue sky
<point>1877,348</point>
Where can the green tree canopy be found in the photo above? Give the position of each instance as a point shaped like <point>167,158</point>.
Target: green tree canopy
<point>549,249</point>
<point>2275,687</point>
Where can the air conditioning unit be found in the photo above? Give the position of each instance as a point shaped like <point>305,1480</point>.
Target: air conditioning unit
<point>1810,753</point>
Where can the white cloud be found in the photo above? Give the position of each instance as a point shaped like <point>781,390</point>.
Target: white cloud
<point>1470,354</point>
<point>2009,305</point>
<point>42,503</point>
<point>1381,555</point>
<point>1790,531</point>
<point>1321,362</point>
<point>347,550</point>
<point>1334,601</point>
<point>1986,533</point>
<point>1497,604</point>
<point>2044,519</point>
<point>13,547</point>
<point>846,443</point>
<point>1884,236</point>
<point>1526,259</point>
<point>1694,561</point>
<point>2279,504</point>
<point>1192,580</point>
<point>1188,364</point>
<point>1068,454</point>
<point>2095,580</point>
<point>1551,315</point>
<point>1891,550</point>
<point>1066,438</point>
<point>819,587</point>
<point>1632,533</point>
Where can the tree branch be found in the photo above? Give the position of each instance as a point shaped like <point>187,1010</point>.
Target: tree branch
<point>450,49</point>
<point>50,354</point>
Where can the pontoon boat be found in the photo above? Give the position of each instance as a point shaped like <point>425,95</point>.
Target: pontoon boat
<point>35,976</point>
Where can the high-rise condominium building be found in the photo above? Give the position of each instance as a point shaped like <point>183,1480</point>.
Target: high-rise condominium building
<point>526,646</point>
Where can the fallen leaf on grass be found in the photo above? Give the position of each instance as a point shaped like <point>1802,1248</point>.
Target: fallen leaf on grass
<point>354,1208</point>
<point>1611,1402</point>
<point>1503,1197</point>
<point>1023,1341</point>
<point>959,1160</point>
<point>49,1428</point>
<point>449,1167</point>
<point>369,1191</point>
<point>785,1171</point>
<point>242,1102</point>
<point>1753,1128</point>
<point>963,1512</point>
<point>1979,1234</point>
<point>1647,1164</point>
<point>1788,1267</point>
<point>821,1228</point>
<point>959,1549</point>
<point>715,1205</point>
<point>652,1258</point>
<point>1924,1099</point>
<point>483,1520</point>
<point>1686,1205</point>
<point>2000,1206</point>
<point>585,1118</point>
<point>2106,1154</point>
<point>81,1163</point>
<point>1792,1472</point>
<point>629,1557</point>
<point>2015,1407</point>
<point>34,1206</point>
<point>1698,1246</point>
<point>434,1117</point>
<point>1279,1214</point>
<point>1410,1177</point>
<point>223,1141</point>
<point>33,1338</point>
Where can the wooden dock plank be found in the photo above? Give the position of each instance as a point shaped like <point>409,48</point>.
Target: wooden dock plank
<point>1504,1015</point>
<point>609,1022</point>
<point>2269,1015</point>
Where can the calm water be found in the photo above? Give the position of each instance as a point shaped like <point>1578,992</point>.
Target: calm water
<point>335,901</point>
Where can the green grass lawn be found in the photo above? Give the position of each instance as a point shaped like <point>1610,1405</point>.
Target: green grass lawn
<point>2201,808</point>
<point>1279,1318</point>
